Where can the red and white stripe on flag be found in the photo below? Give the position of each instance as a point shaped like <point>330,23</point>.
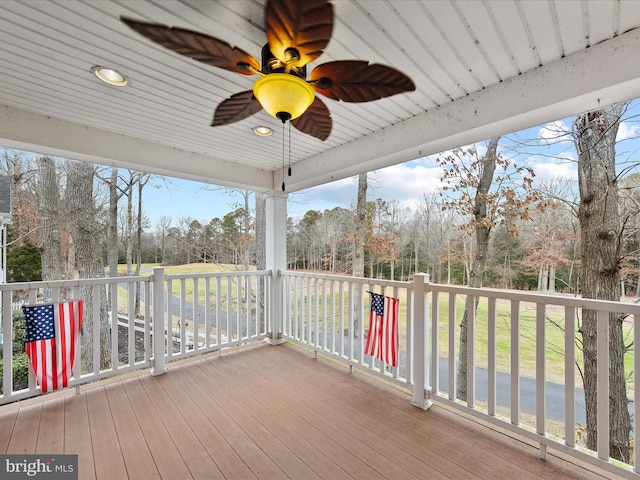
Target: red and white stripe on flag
<point>52,338</point>
<point>382,339</point>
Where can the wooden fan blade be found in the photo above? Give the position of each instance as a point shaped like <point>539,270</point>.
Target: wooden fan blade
<point>316,121</point>
<point>198,46</point>
<point>305,26</point>
<point>236,108</point>
<point>357,81</point>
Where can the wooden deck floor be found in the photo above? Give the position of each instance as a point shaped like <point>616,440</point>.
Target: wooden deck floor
<point>264,412</point>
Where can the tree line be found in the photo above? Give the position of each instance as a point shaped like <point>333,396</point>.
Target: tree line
<point>534,246</point>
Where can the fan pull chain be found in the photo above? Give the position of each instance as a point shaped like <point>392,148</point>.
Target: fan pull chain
<point>283,156</point>
<point>289,148</point>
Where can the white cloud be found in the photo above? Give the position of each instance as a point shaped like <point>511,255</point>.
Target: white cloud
<point>405,183</point>
<point>553,132</point>
<point>555,170</point>
<point>627,130</point>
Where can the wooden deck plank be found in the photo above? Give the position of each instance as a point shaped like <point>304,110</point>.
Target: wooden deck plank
<point>356,437</point>
<point>289,450</point>
<point>398,428</point>
<point>197,458</point>
<point>7,421</point>
<point>454,444</point>
<point>25,430</point>
<point>230,464</point>
<point>260,463</point>
<point>272,446</point>
<point>168,460</point>
<point>267,412</point>
<point>470,440</point>
<point>107,456</point>
<point>77,432</point>
<point>306,415</point>
<point>51,428</point>
<point>463,439</point>
<point>293,436</point>
<point>135,451</point>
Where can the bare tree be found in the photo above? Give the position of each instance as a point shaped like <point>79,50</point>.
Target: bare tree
<point>163,224</point>
<point>115,193</point>
<point>435,229</point>
<point>143,179</point>
<point>486,201</point>
<point>483,225</point>
<point>601,233</point>
<point>549,241</point>
<point>358,245</point>
<point>261,232</point>
<point>129,232</point>
<point>25,226</point>
<point>49,209</point>
<point>361,226</point>
<point>85,232</point>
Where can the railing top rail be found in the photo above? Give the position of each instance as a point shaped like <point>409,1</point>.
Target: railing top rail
<point>72,282</point>
<point>347,278</point>
<point>176,276</point>
<point>559,299</point>
<point>562,300</point>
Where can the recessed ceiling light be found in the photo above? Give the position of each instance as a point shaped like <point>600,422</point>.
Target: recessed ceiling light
<point>110,76</point>
<point>262,131</point>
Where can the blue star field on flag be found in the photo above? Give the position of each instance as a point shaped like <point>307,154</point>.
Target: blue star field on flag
<point>377,304</point>
<point>39,323</point>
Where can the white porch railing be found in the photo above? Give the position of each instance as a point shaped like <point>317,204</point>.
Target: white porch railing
<point>521,353</point>
<point>196,313</point>
<point>330,313</point>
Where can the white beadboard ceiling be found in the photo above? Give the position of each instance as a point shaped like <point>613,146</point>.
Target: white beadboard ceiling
<point>481,68</point>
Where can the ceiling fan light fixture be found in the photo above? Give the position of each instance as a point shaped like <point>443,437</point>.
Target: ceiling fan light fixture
<point>262,131</point>
<point>297,33</point>
<point>109,75</point>
<point>283,93</point>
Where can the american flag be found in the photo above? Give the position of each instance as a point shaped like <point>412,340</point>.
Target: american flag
<point>382,339</point>
<point>51,340</point>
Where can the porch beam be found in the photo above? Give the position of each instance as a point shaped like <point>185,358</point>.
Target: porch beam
<point>603,74</point>
<point>23,130</point>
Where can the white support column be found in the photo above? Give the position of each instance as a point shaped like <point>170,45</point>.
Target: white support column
<point>276,260</point>
<point>3,248</point>
<point>158,322</point>
<point>419,342</point>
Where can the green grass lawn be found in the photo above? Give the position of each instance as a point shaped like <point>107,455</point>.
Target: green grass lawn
<point>554,346</point>
<point>177,285</point>
<point>186,287</point>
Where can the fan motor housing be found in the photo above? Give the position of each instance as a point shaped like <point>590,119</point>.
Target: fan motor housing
<point>270,64</point>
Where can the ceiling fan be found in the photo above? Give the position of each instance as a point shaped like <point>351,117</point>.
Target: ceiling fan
<point>297,32</point>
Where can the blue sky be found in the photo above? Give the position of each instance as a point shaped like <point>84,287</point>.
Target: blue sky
<point>405,182</point>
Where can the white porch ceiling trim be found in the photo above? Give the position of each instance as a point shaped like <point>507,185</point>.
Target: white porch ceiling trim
<point>30,131</point>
